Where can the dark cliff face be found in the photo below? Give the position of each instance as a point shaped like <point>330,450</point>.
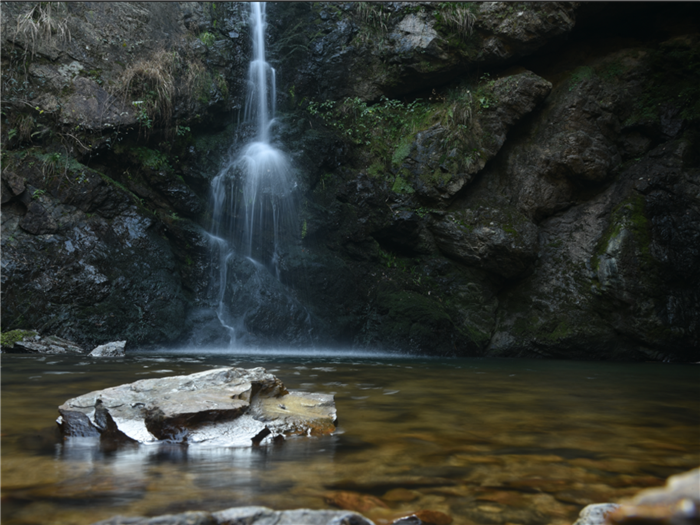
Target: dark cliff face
<point>515,179</point>
<point>534,202</point>
<point>108,111</point>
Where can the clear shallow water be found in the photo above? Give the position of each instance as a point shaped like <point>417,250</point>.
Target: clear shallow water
<point>487,441</point>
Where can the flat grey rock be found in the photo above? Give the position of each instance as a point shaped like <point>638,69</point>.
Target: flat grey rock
<point>113,349</point>
<point>222,407</point>
<point>248,516</point>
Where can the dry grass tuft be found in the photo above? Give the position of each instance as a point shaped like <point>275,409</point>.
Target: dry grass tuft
<point>460,18</point>
<point>194,77</point>
<point>151,85</point>
<point>25,125</point>
<point>373,14</point>
<point>44,24</point>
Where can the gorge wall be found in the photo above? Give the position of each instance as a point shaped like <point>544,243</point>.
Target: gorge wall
<point>511,179</point>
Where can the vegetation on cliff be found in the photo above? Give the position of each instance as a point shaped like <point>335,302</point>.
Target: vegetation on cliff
<point>471,182</point>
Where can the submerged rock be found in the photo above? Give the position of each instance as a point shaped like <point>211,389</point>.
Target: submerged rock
<point>355,501</point>
<point>248,516</point>
<point>221,407</point>
<point>113,349</point>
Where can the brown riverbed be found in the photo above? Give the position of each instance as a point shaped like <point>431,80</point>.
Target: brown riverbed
<point>486,441</point>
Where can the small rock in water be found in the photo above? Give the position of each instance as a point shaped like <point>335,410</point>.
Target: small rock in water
<point>678,503</point>
<point>113,349</point>
<point>221,407</point>
<point>595,514</point>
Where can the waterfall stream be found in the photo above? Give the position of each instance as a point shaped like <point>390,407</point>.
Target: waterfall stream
<point>254,215</point>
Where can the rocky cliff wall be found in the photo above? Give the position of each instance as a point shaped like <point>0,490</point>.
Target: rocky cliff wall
<point>515,179</point>
<point>109,114</point>
<point>510,179</point>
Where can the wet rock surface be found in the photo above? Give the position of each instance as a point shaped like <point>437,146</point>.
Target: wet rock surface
<point>495,239</point>
<point>227,407</point>
<point>99,278</point>
<point>262,309</point>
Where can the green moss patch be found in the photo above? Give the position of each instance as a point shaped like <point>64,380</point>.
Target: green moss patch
<point>674,80</point>
<point>155,160</point>
<point>8,339</point>
<point>401,186</point>
<point>630,215</point>
<point>579,75</point>
<point>412,314</point>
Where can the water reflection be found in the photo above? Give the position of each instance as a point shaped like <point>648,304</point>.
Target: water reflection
<point>89,449</point>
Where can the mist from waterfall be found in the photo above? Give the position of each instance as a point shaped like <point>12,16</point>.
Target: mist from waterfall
<point>254,213</point>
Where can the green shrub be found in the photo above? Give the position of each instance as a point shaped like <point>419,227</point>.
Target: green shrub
<point>579,75</point>
<point>207,38</point>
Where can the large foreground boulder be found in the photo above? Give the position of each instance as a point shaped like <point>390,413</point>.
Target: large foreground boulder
<point>221,407</point>
<point>248,516</point>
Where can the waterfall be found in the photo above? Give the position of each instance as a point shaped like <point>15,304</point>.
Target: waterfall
<point>254,216</point>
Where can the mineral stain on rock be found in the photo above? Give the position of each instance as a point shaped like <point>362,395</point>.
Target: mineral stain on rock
<point>221,407</point>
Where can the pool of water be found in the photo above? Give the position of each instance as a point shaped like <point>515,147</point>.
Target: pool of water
<point>487,441</point>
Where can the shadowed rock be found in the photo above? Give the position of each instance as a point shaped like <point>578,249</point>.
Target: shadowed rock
<point>222,407</point>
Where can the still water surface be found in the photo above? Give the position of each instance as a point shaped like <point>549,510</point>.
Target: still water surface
<point>487,441</point>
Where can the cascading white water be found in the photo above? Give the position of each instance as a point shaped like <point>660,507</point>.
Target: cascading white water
<point>253,202</point>
<point>261,77</point>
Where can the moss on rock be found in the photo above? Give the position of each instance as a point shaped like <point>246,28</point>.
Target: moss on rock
<point>9,338</point>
